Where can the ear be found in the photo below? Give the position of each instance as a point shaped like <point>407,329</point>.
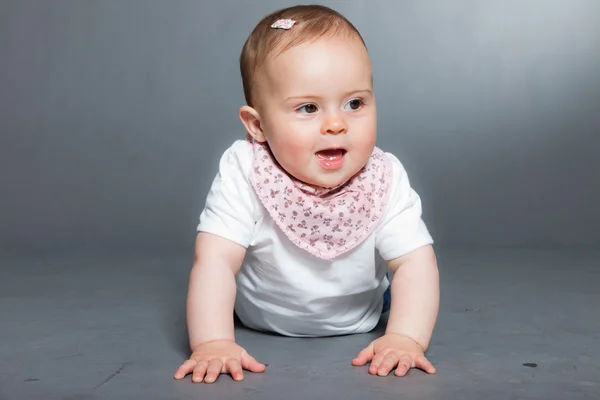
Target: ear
<point>251,120</point>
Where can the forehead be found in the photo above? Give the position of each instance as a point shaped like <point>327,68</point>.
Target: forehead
<point>323,65</point>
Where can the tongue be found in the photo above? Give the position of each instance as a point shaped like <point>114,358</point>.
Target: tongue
<point>331,155</point>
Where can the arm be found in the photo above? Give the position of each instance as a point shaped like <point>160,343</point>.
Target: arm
<point>212,289</point>
<point>229,216</point>
<point>415,295</point>
<point>211,297</point>
<point>414,310</point>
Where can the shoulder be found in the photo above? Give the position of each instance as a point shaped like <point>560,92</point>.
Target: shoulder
<point>400,184</point>
<point>398,172</point>
<point>237,159</point>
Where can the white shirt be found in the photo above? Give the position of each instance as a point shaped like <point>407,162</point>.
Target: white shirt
<point>284,289</point>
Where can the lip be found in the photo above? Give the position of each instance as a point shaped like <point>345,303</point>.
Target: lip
<point>332,164</point>
<point>333,148</point>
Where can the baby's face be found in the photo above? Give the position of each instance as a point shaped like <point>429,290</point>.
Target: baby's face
<point>317,110</point>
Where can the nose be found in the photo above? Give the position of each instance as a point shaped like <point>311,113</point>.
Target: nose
<point>334,125</point>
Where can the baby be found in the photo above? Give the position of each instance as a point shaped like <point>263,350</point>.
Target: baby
<point>306,216</point>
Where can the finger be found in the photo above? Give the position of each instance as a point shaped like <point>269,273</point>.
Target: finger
<point>184,369</point>
<point>214,369</point>
<point>376,362</point>
<point>364,356</point>
<point>250,363</point>
<point>235,369</point>
<point>199,371</point>
<point>404,364</point>
<point>424,364</point>
<point>389,362</point>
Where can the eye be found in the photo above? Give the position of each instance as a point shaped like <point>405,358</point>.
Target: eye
<point>355,104</point>
<point>308,108</point>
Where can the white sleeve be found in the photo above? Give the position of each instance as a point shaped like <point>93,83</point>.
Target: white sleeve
<point>229,209</point>
<point>401,229</point>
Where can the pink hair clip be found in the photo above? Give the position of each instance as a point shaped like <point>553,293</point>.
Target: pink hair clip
<point>283,24</point>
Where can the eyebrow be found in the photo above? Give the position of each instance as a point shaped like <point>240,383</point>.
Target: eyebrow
<point>311,97</point>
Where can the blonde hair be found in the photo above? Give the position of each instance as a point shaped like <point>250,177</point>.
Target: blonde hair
<point>312,22</point>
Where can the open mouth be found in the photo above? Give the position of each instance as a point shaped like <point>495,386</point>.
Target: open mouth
<point>331,154</point>
<point>331,158</point>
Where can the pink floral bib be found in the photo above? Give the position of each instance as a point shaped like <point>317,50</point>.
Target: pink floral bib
<point>324,222</point>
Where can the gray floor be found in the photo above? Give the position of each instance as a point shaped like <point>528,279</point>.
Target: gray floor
<point>89,326</point>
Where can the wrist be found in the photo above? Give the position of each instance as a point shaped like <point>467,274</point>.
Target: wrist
<point>195,345</point>
<point>423,345</point>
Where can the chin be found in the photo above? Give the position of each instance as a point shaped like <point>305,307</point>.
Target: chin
<point>331,182</point>
<point>328,179</point>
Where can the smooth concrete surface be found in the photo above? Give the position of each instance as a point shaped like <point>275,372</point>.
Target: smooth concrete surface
<point>515,323</point>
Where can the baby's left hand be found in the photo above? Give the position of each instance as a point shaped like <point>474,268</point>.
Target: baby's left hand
<point>393,350</point>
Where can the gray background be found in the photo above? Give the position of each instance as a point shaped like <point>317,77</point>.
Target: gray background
<point>113,115</point>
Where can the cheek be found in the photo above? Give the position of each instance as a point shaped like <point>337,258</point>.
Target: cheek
<point>297,144</point>
<point>368,132</point>
<point>291,139</point>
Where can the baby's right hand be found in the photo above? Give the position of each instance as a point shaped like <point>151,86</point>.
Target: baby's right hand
<point>214,358</point>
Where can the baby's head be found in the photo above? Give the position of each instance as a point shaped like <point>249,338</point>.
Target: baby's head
<point>309,94</point>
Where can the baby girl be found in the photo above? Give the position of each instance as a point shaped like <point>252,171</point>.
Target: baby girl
<point>306,216</point>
